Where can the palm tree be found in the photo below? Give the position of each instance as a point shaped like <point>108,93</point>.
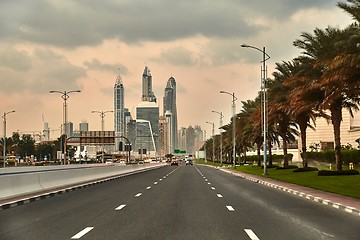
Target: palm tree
<point>251,114</point>
<point>278,105</point>
<point>302,102</point>
<point>352,7</point>
<point>227,142</point>
<point>334,54</point>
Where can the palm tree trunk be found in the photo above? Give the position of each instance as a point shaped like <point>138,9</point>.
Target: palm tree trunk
<point>303,144</point>
<point>270,161</point>
<point>258,155</point>
<point>336,118</point>
<point>244,155</point>
<point>285,147</point>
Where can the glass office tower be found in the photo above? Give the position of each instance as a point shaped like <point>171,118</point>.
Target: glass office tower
<point>119,118</point>
<point>169,102</point>
<point>148,112</point>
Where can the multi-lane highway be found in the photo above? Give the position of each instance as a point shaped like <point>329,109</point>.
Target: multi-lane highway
<point>184,202</point>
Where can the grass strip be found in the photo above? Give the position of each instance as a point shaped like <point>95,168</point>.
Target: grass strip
<point>343,185</point>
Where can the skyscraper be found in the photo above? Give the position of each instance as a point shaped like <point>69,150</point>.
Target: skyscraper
<point>147,93</point>
<point>84,126</point>
<point>119,119</point>
<point>147,114</point>
<point>170,107</point>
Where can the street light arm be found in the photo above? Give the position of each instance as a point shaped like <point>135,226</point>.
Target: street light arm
<point>231,94</point>
<point>64,92</point>
<point>9,112</point>
<point>220,113</point>
<point>210,123</point>
<point>225,92</point>
<point>73,91</point>
<point>249,46</point>
<point>57,92</point>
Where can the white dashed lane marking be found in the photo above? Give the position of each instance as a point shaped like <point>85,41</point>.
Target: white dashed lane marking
<point>219,195</point>
<point>148,187</point>
<point>82,233</point>
<point>251,234</point>
<point>212,188</point>
<point>138,195</point>
<point>155,183</point>
<point>230,208</point>
<point>120,207</point>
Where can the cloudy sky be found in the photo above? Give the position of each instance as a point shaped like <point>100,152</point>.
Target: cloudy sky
<point>80,45</point>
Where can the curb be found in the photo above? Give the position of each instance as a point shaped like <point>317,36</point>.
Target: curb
<point>327,202</point>
<point>29,199</point>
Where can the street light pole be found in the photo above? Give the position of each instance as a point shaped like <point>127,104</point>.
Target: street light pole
<point>234,124</point>
<point>264,98</point>
<point>205,146</point>
<point>213,141</point>
<point>4,140</point>
<point>102,115</point>
<point>65,97</point>
<point>220,130</point>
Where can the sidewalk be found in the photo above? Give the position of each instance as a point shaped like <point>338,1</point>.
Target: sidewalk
<point>348,204</point>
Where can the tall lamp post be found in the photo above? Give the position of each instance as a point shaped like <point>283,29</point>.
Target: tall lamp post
<point>4,140</point>
<point>102,115</point>
<point>213,141</point>
<point>205,146</point>
<point>65,97</point>
<point>264,99</point>
<point>234,124</point>
<point>220,130</point>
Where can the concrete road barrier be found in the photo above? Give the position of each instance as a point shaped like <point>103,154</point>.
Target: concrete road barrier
<point>18,184</point>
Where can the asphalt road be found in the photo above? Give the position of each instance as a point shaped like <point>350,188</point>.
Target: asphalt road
<point>185,202</point>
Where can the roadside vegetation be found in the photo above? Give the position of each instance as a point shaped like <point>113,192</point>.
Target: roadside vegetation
<point>320,83</point>
<point>343,185</point>
<point>24,147</point>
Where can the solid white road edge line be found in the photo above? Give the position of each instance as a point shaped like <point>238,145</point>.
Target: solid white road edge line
<point>82,233</point>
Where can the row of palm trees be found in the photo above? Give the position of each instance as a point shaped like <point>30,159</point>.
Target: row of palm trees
<point>322,81</point>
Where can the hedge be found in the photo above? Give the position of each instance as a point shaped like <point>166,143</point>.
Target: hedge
<point>337,173</point>
<point>348,156</point>
<point>306,169</point>
<point>275,158</point>
<point>288,167</point>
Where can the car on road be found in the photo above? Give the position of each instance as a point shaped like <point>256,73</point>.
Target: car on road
<point>174,162</point>
<point>188,162</point>
<point>109,161</point>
